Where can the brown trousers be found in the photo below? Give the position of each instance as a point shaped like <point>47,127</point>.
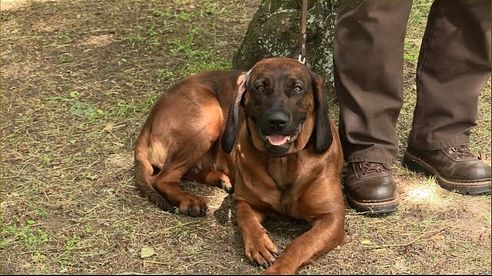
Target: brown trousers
<point>453,67</point>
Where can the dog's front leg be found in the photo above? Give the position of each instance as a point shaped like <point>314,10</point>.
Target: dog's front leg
<point>326,233</point>
<point>258,247</point>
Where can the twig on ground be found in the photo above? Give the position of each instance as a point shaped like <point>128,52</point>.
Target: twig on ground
<point>429,234</point>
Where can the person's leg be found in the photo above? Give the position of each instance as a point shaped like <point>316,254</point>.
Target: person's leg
<point>368,81</point>
<point>454,65</point>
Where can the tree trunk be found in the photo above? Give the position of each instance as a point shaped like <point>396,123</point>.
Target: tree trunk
<point>275,32</point>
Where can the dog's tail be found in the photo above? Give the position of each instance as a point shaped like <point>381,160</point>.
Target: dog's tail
<point>143,175</point>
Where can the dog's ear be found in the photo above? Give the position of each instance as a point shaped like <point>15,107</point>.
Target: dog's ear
<point>232,125</point>
<point>322,127</point>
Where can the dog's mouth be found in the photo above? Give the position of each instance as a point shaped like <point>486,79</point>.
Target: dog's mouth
<point>281,140</point>
<point>278,140</point>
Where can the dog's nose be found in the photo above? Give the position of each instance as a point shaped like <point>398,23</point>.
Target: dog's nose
<point>278,120</point>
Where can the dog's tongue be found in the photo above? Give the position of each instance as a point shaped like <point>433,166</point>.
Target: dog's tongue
<point>277,140</point>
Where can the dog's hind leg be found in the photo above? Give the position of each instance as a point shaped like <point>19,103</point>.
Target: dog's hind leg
<point>167,182</point>
<point>144,171</point>
<point>211,177</point>
<point>182,155</point>
<point>182,131</point>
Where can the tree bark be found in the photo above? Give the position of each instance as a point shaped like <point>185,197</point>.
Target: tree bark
<point>275,31</point>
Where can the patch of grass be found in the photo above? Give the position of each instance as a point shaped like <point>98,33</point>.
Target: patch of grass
<point>198,59</point>
<point>411,51</point>
<point>416,24</point>
<point>165,15</point>
<point>85,110</point>
<point>29,234</point>
<point>76,106</point>
<point>72,243</point>
<point>165,74</point>
<point>153,35</point>
<point>124,109</point>
<point>187,47</point>
<point>419,12</point>
<point>215,7</point>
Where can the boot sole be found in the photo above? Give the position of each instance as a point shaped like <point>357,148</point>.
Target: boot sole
<point>374,208</point>
<point>416,164</point>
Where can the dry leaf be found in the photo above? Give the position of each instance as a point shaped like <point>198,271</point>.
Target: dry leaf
<point>366,242</point>
<point>146,252</point>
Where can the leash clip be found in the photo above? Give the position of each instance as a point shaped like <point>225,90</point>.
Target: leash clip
<point>302,38</point>
<point>302,59</point>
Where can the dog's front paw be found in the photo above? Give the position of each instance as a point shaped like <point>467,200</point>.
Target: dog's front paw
<point>261,250</point>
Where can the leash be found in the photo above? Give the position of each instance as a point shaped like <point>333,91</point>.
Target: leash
<point>302,39</point>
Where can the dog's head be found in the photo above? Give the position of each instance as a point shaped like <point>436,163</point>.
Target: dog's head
<point>285,108</point>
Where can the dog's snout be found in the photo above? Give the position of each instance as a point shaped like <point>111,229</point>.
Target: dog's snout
<point>278,120</point>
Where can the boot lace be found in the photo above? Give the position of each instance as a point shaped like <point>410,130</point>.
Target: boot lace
<point>461,151</point>
<point>372,167</point>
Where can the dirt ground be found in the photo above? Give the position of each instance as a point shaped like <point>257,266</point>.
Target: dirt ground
<point>77,81</point>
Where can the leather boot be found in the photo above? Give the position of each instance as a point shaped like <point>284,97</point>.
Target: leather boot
<point>370,188</point>
<point>455,168</point>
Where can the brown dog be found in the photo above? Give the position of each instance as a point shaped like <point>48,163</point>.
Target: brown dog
<point>280,151</point>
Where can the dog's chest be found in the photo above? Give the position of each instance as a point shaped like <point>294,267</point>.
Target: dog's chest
<point>281,170</point>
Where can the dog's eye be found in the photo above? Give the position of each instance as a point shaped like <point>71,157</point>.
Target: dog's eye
<point>260,88</point>
<point>297,89</point>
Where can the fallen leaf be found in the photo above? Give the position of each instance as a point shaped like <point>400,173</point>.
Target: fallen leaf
<point>109,127</point>
<point>366,242</point>
<point>146,252</point>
